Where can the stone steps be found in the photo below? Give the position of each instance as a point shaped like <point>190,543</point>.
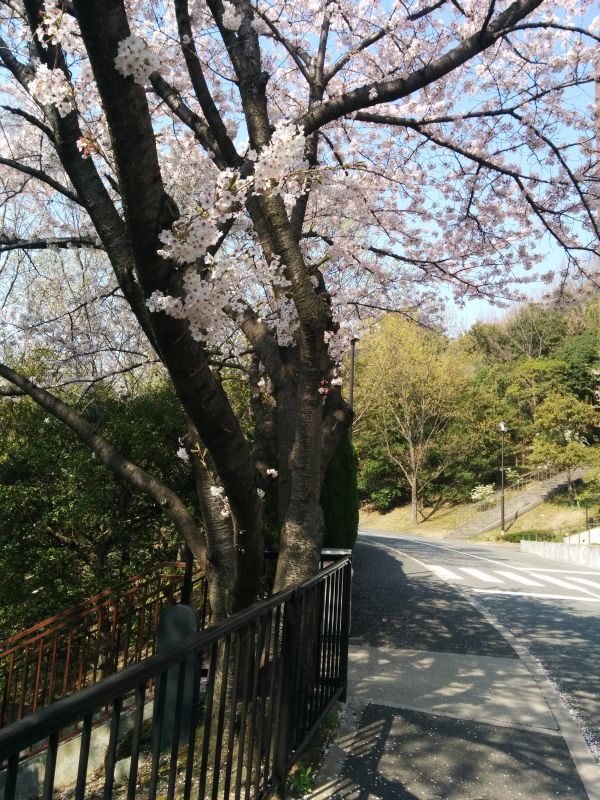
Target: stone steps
<point>514,507</point>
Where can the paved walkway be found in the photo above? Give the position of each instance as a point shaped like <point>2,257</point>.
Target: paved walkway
<point>442,705</point>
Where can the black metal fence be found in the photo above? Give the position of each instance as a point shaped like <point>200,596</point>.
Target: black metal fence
<point>222,715</point>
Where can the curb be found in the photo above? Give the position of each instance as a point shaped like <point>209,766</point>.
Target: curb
<point>585,763</point>
<point>583,758</point>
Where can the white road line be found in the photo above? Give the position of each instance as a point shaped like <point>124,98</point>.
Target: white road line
<point>533,571</point>
<point>513,576</point>
<point>443,573</point>
<point>541,595</point>
<point>565,584</point>
<point>480,575</point>
<point>595,584</point>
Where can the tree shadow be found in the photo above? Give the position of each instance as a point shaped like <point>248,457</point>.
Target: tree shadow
<point>394,608</point>
<point>399,754</point>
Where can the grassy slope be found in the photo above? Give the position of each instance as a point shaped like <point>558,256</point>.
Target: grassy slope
<point>546,517</point>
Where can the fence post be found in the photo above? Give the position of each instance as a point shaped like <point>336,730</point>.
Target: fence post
<point>289,647</point>
<point>346,601</point>
<point>186,588</point>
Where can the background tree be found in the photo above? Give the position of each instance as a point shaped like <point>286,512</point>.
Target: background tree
<point>409,382</point>
<point>564,427</point>
<point>68,529</point>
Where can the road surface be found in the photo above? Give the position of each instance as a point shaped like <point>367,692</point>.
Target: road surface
<point>553,609</point>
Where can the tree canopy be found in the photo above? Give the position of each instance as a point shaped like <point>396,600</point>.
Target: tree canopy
<point>241,184</point>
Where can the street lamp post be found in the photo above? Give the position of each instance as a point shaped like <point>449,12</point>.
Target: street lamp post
<point>351,381</point>
<point>502,429</point>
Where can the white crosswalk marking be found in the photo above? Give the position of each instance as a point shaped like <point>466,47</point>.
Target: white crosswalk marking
<point>517,578</point>
<point>593,584</point>
<point>443,573</point>
<point>532,580</point>
<point>565,584</point>
<point>480,575</point>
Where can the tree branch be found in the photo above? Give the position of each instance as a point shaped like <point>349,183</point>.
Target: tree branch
<point>32,121</point>
<point>40,175</point>
<point>387,91</point>
<point>63,242</point>
<point>226,148</point>
<point>124,469</point>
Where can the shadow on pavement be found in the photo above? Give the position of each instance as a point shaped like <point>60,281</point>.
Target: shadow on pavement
<point>397,608</point>
<point>397,754</point>
<point>565,638</point>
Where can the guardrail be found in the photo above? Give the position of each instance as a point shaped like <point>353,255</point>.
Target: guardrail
<point>93,639</point>
<point>233,706</point>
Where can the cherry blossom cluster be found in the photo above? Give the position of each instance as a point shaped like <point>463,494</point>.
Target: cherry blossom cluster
<point>231,18</point>
<point>87,145</point>
<point>57,27</point>
<point>135,59</point>
<point>281,159</point>
<point>50,87</point>
<point>189,239</point>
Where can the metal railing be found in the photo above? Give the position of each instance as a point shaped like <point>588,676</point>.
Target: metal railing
<point>516,488</point>
<point>86,643</point>
<point>232,709</point>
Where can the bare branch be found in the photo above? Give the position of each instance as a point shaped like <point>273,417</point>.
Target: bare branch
<point>62,242</point>
<point>201,90</point>
<point>40,175</point>
<point>386,91</point>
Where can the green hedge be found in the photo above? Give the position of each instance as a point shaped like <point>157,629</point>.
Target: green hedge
<point>339,497</point>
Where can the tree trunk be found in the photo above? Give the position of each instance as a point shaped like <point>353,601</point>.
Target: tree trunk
<point>301,532</point>
<point>414,501</point>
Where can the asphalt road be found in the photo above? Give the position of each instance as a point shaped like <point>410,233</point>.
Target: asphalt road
<point>551,608</point>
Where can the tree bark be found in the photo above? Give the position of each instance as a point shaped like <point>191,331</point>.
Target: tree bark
<point>414,504</point>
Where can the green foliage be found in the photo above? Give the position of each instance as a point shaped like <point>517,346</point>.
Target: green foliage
<point>339,497</point>
<point>301,782</point>
<point>581,354</point>
<point>67,527</point>
<point>537,535</point>
<point>517,369</point>
<point>535,379</point>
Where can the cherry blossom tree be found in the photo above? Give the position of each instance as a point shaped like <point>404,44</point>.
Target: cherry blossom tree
<point>245,183</point>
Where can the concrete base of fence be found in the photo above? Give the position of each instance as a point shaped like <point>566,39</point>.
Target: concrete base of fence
<point>584,555</point>
<point>585,537</point>
<point>30,778</point>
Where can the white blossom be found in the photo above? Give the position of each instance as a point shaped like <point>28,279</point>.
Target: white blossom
<point>182,453</point>
<point>135,59</point>
<point>283,156</point>
<point>231,19</point>
<point>260,26</point>
<point>50,87</point>
<point>58,27</point>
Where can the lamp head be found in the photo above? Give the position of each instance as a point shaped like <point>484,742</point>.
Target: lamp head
<point>502,427</point>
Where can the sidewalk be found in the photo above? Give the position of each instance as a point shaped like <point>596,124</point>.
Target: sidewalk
<point>442,705</point>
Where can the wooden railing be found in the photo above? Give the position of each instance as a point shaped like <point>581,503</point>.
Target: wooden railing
<point>84,644</point>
